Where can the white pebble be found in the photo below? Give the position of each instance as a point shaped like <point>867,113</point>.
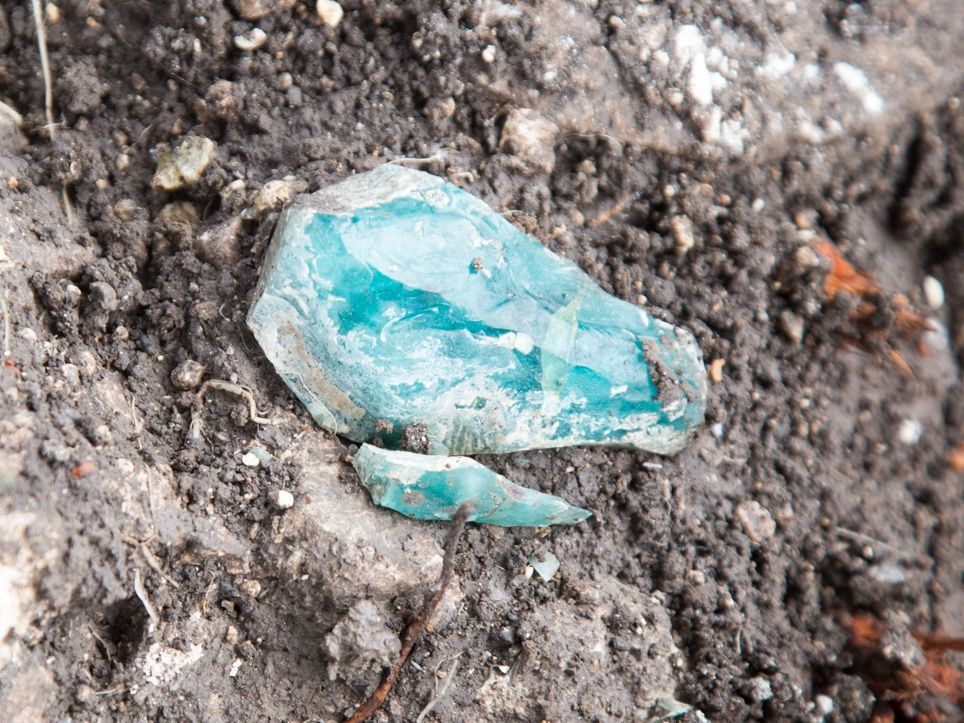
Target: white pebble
<point>824,705</point>
<point>251,40</point>
<point>488,54</point>
<point>330,12</point>
<point>717,430</point>
<point>933,292</point>
<point>910,431</point>
<point>250,459</point>
<point>284,500</point>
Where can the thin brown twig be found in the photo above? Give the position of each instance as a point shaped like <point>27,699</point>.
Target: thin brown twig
<point>418,627</point>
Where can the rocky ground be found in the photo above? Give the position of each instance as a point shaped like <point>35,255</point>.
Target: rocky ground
<point>691,156</point>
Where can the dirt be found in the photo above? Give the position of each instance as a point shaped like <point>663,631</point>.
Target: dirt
<point>691,172</point>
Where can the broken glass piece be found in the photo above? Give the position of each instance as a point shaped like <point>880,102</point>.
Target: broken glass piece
<point>429,487</point>
<point>546,567</point>
<point>394,299</point>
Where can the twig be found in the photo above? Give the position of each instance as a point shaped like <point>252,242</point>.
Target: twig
<point>440,690</point>
<point>231,388</point>
<point>38,19</point>
<point>141,593</point>
<point>420,624</point>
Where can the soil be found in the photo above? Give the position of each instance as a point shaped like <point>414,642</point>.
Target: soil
<point>148,573</point>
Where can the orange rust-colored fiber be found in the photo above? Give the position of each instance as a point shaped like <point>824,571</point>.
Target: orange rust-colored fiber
<point>843,276</point>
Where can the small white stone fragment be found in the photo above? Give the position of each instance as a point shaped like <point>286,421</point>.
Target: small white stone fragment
<point>488,54</point>
<point>717,430</point>
<point>250,459</point>
<point>275,194</point>
<point>756,521</point>
<point>188,374</point>
<point>284,500</point>
<point>235,667</point>
<point>855,80</point>
<point>823,705</point>
<point>330,12</point>
<point>910,431</point>
<point>185,165</point>
<point>530,138</point>
<point>933,292</point>
<point>251,40</point>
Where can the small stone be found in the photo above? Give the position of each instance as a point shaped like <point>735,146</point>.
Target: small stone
<point>220,245</point>
<point>531,139</point>
<point>488,54</point>
<point>933,292</point>
<point>427,487</point>
<point>823,705</point>
<point>760,689</point>
<point>330,12</point>
<point>253,9</point>
<point>275,194</point>
<point>251,40</point>
<point>251,588</point>
<point>231,637</point>
<point>284,500</point>
<point>792,326</point>
<point>806,258</point>
<point>756,521</point>
<point>250,459</point>
<point>188,374</point>
<point>52,14</point>
<point>888,573</point>
<point>185,165</point>
<point>359,639</point>
<point>683,233</point>
<point>910,431</point>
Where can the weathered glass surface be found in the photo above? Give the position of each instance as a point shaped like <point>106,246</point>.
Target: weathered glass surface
<point>395,299</point>
<point>429,487</point>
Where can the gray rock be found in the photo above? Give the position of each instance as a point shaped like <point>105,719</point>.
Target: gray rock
<point>360,639</point>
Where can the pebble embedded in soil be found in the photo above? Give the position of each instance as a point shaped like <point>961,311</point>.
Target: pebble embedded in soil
<point>757,522</point>
<point>284,500</point>
<point>188,374</point>
<point>251,40</point>
<point>330,12</point>
<point>530,138</point>
<point>909,432</point>
<point>359,639</point>
<point>933,292</point>
<point>275,194</point>
<point>185,165</point>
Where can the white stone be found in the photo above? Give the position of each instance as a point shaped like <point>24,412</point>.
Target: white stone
<point>330,12</point>
<point>488,54</point>
<point>855,80</point>
<point>933,292</point>
<point>251,40</point>
<point>910,431</point>
<point>250,459</point>
<point>284,500</point>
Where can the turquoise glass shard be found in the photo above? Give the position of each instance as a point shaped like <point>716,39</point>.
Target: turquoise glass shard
<point>429,487</point>
<point>395,299</point>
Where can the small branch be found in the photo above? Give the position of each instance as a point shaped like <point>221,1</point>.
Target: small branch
<point>420,624</point>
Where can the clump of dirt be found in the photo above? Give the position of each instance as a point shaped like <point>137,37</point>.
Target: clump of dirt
<point>688,155</point>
